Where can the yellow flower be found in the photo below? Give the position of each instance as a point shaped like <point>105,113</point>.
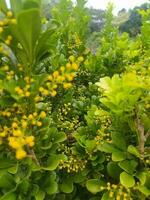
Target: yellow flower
<point>56,74</point>
<point>39,123</point>
<point>53,93</point>
<point>13,21</point>
<point>3,134</point>
<point>69,77</point>
<point>60,78</point>
<point>43,114</point>
<point>62,68</point>
<point>1,29</point>
<point>50,78</point>
<point>24,124</point>
<point>30,116</point>
<point>75,66</point>
<point>30,141</point>
<point>80,59</point>
<point>27,94</point>
<point>68,66</point>
<point>67,85</point>
<point>72,58</point>
<point>18,90</point>
<point>14,125</point>
<point>17,133</point>
<point>20,154</point>
<point>41,89</point>
<point>14,143</point>
<point>45,92</point>
<point>35,114</point>
<point>1,141</point>
<point>7,42</point>
<point>37,98</point>
<point>6,68</point>
<point>9,14</point>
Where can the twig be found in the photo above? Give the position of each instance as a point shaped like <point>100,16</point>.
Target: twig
<point>34,157</point>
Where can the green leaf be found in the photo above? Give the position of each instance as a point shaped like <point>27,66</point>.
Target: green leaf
<point>9,196</point>
<point>52,187</point>
<point>133,150</point>
<point>113,170</point>
<point>40,195</point>
<point>128,165</point>
<point>106,196</point>
<point>90,145</point>
<point>29,25</point>
<point>118,140</point>
<point>95,185</point>
<point>144,190</point>
<point>3,6</point>
<point>6,181</point>
<point>118,156</point>
<point>67,185</point>
<point>127,180</point>
<point>60,137</point>
<point>142,177</point>
<point>5,163</point>
<point>53,162</point>
<point>16,6</point>
<point>106,147</point>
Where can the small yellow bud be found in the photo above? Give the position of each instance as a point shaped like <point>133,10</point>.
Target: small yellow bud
<point>72,58</point>
<point>55,74</point>
<point>14,125</point>
<point>62,69</point>
<point>75,66</point>
<point>20,154</point>
<point>9,14</point>
<point>1,29</point>
<point>67,85</point>
<point>53,93</point>
<point>39,123</point>
<point>24,124</point>
<point>17,133</point>
<point>30,116</point>
<point>27,94</point>
<point>80,59</point>
<point>43,114</point>
<point>50,78</point>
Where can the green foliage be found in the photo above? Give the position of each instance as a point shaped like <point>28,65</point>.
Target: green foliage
<point>74,121</point>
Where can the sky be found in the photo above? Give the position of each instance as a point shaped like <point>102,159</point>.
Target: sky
<point>119,4</point>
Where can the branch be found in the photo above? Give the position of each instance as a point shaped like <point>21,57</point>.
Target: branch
<point>147,135</point>
<point>34,157</point>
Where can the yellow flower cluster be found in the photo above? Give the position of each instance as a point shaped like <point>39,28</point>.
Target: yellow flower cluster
<point>63,76</point>
<point>73,163</point>
<point>25,92</point>
<point>118,192</point>
<point>17,134</point>
<point>102,137</point>
<point>4,22</point>
<point>74,42</point>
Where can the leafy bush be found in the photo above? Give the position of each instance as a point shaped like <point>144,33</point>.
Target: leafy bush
<point>65,134</point>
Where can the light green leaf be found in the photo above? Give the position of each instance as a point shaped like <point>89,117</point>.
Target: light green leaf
<point>9,196</point>
<point>133,150</point>
<point>128,165</point>
<point>67,185</point>
<point>53,162</point>
<point>118,156</point>
<point>127,180</point>
<point>95,185</point>
<point>40,195</point>
<point>113,170</point>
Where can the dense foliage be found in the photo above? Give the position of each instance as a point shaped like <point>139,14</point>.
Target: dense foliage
<point>74,122</point>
